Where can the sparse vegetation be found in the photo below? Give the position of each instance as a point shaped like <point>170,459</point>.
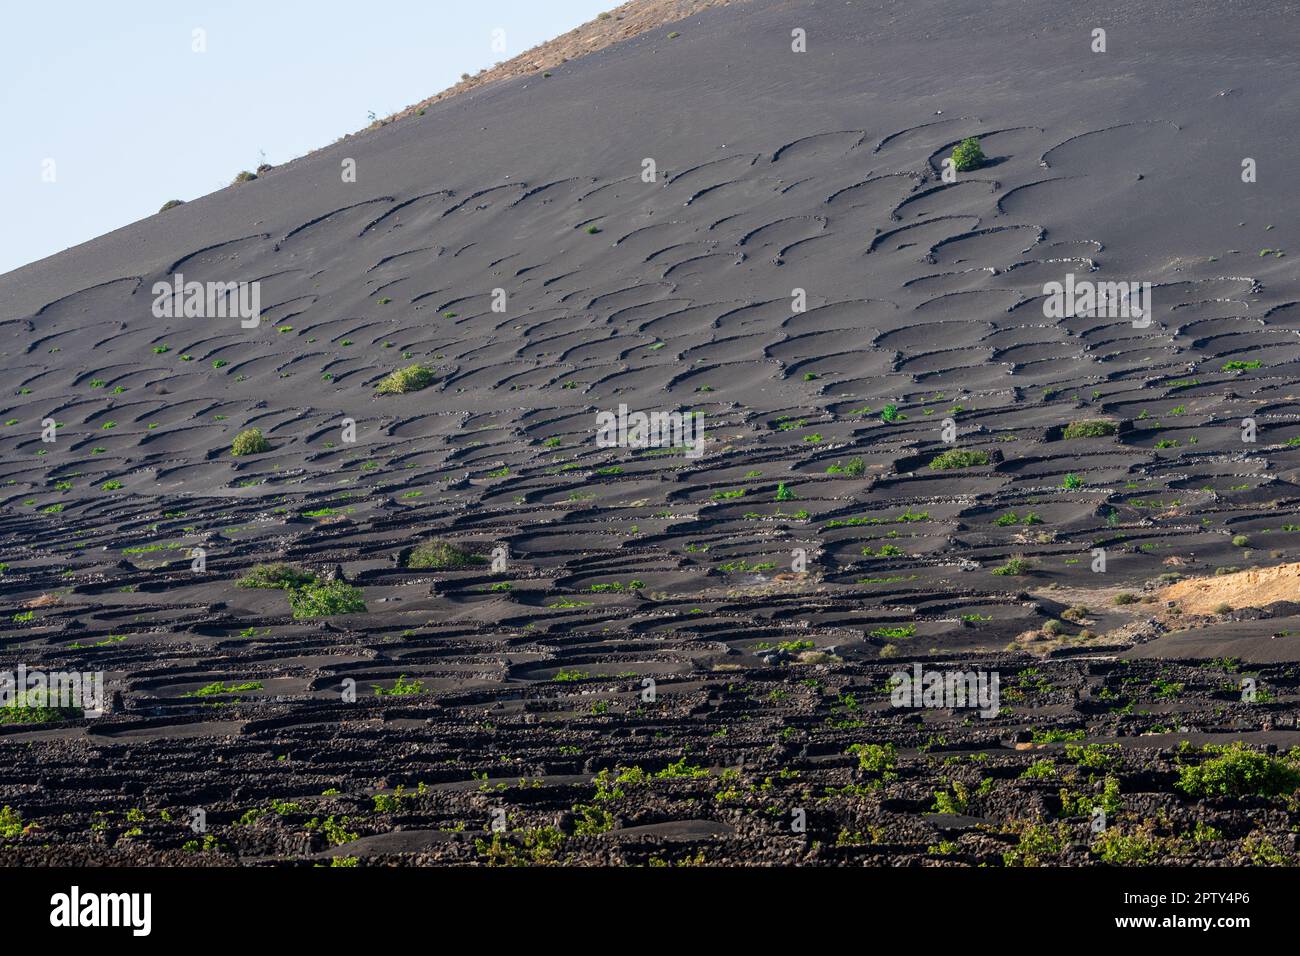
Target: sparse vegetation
<point>967,155</point>
<point>959,459</point>
<point>404,380</point>
<point>278,575</point>
<point>1014,567</point>
<point>249,442</point>
<point>326,599</point>
<point>440,555</point>
<point>401,688</point>
<point>1235,770</point>
<point>11,823</point>
<point>855,468</point>
<point>1093,428</point>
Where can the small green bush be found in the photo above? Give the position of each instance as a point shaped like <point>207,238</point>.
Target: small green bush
<point>409,379</point>
<point>35,707</point>
<point>1095,428</point>
<point>441,555</point>
<point>172,204</point>
<point>249,442</point>
<point>968,155</point>
<point>1128,849</point>
<point>1013,568</point>
<point>876,758</point>
<point>11,823</point>
<point>1039,845</point>
<point>1238,771</point>
<point>959,459</point>
<point>324,600</point>
<point>243,176</point>
<point>277,575</point>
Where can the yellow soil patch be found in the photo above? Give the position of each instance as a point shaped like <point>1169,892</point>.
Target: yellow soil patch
<point>1255,588</point>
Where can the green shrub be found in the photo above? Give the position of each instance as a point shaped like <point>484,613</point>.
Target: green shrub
<point>1238,771</point>
<point>249,442</point>
<point>401,688</point>
<point>11,823</point>
<point>1141,848</point>
<point>172,204</point>
<point>243,176</point>
<point>1081,803</point>
<point>959,459</point>
<point>1014,567</point>
<point>1039,844</point>
<point>1095,428</point>
<point>876,758</point>
<point>277,575</point>
<point>35,707</point>
<point>221,688</point>
<point>409,379</point>
<point>968,155</point>
<point>441,555</point>
<point>324,600</point>
<point>1240,540</point>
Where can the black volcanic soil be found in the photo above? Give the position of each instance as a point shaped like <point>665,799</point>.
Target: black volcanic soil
<point>777,171</point>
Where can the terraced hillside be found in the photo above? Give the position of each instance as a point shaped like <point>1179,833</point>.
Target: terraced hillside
<point>572,653</point>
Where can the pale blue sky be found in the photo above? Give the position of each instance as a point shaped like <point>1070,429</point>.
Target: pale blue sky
<point>112,92</point>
